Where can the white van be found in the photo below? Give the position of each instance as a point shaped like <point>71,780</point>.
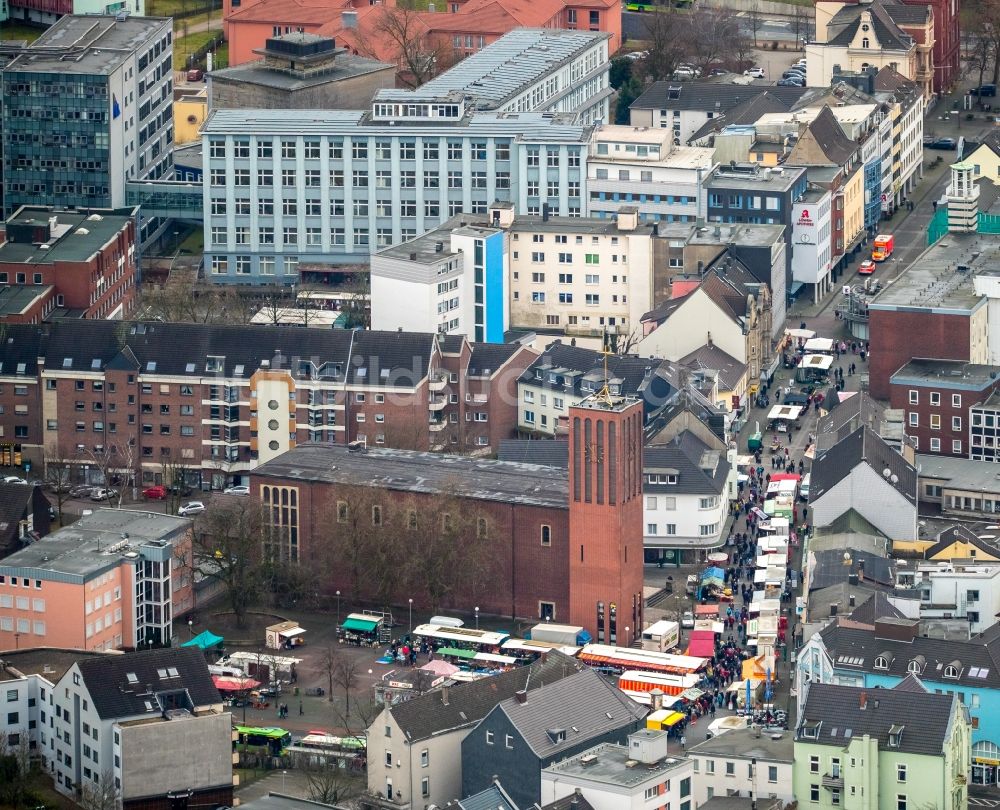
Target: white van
<point>804,487</point>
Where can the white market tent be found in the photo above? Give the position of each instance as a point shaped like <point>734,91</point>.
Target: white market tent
<point>789,412</point>
<point>819,345</point>
<point>819,362</point>
<point>800,333</point>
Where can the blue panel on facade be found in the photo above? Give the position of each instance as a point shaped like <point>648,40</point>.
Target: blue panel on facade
<point>496,293</point>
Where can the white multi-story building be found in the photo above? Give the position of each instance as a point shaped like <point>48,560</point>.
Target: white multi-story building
<point>744,762</point>
<point>531,70</point>
<point>331,186</point>
<point>959,591</point>
<point>638,776</point>
<point>88,107</point>
<point>641,166</point>
<point>812,245</point>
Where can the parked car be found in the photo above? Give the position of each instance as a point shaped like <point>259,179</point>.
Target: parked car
<point>236,490</point>
<point>686,72</point>
<point>943,143</point>
<point>103,494</point>
<point>155,493</point>
<point>195,75</point>
<point>637,55</point>
<point>790,73</point>
<point>755,72</point>
<point>180,489</point>
<point>984,90</point>
<point>866,268</point>
<point>82,491</point>
<point>687,619</point>
<point>792,81</point>
<point>191,508</point>
<point>13,479</point>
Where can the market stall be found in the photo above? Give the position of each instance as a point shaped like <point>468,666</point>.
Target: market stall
<point>360,629</point>
<point>284,636</point>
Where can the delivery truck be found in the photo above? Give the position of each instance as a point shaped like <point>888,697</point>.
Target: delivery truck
<point>564,634</point>
<point>662,636</point>
<point>882,247</point>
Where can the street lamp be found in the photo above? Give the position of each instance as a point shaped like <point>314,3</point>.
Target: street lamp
<point>410,600</point>
<point>476,609</point>
<point>191,627</point>
<point>626,636</point>
<point>338,608</point>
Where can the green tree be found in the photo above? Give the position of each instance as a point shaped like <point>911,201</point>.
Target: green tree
<point>628,93</point>
<point>621,72</point>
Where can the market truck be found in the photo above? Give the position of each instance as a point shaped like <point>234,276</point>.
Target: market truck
<point>883,247</point>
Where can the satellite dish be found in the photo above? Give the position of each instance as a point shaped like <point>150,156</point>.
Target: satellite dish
<point>894,479</point>
<point>886,472</point>
<point>847,555</point>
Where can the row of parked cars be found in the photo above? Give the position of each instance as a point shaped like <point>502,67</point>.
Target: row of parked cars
<point>795,76</point>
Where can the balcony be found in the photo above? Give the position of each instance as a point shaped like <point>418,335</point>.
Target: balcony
<point>437,403</point>
<point>437,425</point>
<point>438,381</point>
<point>834,782</point>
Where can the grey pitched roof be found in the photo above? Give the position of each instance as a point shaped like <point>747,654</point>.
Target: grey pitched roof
<point>708,96</point>
<point>862,446</point>
<point>844,416</point>
<point>20,346</point>
<point>548,452</point>
<point>120,685</point>
<point>391,358</point>
<point>875,607</point>
<point>746,112</point>
<point>831,138</point>
<point>16,501</point>
<point>842,29</point>
<point>487,358</point>
<point>583,700</point>
<point>911,683</point>
<point>664,309</point>
<point>829,568</point>
<point>468,703</point>
<point>574,801</point>
<point>711,358</point>
<point>492,798</point>
<point>691,401</point>
<point>581,371</point>
<point>854,649</point>
<point>451,344</point>
<point>846,712</point>
<point>959,534</point>
<point>699,469</point>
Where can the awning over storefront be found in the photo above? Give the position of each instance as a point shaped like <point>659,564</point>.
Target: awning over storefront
<point>455,652</point>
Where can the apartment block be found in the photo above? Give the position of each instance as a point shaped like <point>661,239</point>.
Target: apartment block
<point>113,579</point>
<point>68,262</point>
<point>45,12</point>
<point>88,108</point>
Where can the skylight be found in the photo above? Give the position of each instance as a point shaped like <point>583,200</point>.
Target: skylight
<point>67,362</point>
<point>132,677</point>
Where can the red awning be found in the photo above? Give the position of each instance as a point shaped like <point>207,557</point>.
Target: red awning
<point>224,684</point>
<point>649,666</point>
<point>702,643</point>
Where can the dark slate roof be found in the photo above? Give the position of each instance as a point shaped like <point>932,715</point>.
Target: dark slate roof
<point>959,534</point>
<point>547,452</point>
<point>822,600</point>
<point>20,349</point>
<point>854,649</point>
<point>468,703</point>
<point>451,344</point>
<point>925,718</point>
<point>699,469</point>
<point>692,402</point>
<point>711,358</point>
<point>862,446</point>
<point>875,607</point>
<point>184,348</point>
<point>582,371</point>
<point>574,801</point>
<point>831,138</point>
<point>115,695</point>
<point>583,700</point>
<point>708,96</point>
<point>845,416</point>
<point>842,29</point>
<point>488,357</point>
<point>746,112</point>
<point>911,683</point>
<point>492,798</point>
<point>830,569</point>
<point>664,309</point>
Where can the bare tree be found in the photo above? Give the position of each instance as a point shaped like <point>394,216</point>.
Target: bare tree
<point>358,307</point>
<point>401,33</point>
<point>15,769</point>
<point>100,795</point>
<point>116,464</point>
<point>753,15</point>
<point>346,677</point>
<point>229,547</point>
<point>330,784</point>
<point>710,35</point>
<point>327,665</point>
<point>664,33</point>
<point>57,479</point>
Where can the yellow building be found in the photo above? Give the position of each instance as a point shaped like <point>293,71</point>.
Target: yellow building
<point>854,206</point>
<point>986,159</point>
<point>190,112</point>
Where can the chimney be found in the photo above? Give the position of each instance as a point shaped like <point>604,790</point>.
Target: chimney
<point>349,19</point>
<point>444,695</point>
<point>628,218</point>
<point>545,212</point>
<point>862,700</point>
<point>850,600</point>
<point>521,695</point>
<point>544,656</point>
<point>852,579</point>
<point>833,610</point>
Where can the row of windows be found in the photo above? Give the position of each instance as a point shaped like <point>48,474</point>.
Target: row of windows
<point>382,149</point>
<point>935,421</point>
<point>934,398</point>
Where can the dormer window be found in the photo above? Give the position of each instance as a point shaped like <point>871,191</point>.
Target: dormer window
<point>952,670</point>
<point>881,662</point>
<point>810,729</point>
<point>213,365</point>
<point>913,668</point>
<point>895,736</point>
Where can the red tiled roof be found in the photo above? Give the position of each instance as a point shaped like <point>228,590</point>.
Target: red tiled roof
<point>291,12</point>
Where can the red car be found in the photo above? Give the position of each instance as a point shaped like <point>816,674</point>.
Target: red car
<point>866,268</point>
<point>157,493</point>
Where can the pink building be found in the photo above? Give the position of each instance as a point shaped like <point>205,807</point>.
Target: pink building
<point>114,579</point>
